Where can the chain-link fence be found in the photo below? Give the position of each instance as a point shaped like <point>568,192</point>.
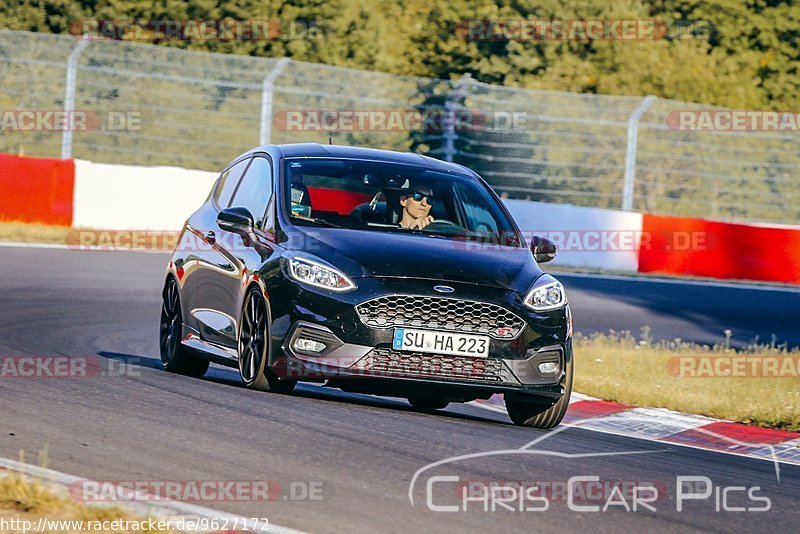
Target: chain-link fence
<point>199,110</point>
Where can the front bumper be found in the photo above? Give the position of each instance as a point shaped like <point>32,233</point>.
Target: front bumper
<point>356,354</point>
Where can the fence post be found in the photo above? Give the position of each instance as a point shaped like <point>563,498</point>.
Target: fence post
<point>630,153</point>
<point>453,103</point>
<point>69,97</point>
<point>266,99</point>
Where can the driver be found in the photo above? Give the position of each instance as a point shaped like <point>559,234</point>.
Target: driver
<point>416,208</point>
<point>301,201</point>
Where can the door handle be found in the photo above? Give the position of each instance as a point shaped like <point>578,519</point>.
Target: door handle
<point>210,236</point>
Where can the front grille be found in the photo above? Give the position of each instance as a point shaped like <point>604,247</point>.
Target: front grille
<point>440,313</point>
<point>414,364</point>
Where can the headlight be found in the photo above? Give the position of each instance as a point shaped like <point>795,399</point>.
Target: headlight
<point>547,294</point>
<point>317,274</point>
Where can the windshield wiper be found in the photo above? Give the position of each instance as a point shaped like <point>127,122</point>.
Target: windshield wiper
<point>401,230</point>
<point>319,221</point>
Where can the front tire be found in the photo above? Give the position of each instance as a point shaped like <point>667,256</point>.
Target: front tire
<point>538,414</point>
<point>254,347</point>
<point>175,358</point>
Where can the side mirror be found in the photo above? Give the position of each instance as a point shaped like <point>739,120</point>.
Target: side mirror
<point>543,249</point>
<point>236,220</point>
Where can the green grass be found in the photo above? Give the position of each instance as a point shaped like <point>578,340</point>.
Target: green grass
<point>33,233</point>
<point>29,499</point>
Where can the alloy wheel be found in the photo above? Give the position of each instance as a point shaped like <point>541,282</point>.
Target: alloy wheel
<point>253,338</point>
<point>171,323</point>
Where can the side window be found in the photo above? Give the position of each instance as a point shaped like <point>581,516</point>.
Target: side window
<point>255,190</point>
<point>227,183</point>
<point>479,219</point>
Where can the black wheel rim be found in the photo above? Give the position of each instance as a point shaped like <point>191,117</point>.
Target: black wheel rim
<point>252,340</point>
<point>171,323</point>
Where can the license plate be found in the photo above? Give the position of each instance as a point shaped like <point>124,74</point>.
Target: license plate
<point>441,342</point>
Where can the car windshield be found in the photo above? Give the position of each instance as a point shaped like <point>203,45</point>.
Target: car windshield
<point>384,197</point>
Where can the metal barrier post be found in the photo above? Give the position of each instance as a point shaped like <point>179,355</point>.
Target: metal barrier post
<point>266,99</point>
<point>630,153</point>
<point>453,103</point>
<point>69,97</point>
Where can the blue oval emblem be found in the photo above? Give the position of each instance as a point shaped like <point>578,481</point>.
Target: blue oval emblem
<point>443,289</point>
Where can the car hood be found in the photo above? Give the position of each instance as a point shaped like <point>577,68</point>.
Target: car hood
<point>390,254</point>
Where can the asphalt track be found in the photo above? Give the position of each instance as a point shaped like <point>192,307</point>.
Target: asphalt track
<point>146,424</point>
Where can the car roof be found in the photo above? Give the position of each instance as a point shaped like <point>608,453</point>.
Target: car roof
<point>316,150</point>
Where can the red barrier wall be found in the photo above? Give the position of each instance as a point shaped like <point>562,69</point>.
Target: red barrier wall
<point>680,245</point>
<point>36,190</point>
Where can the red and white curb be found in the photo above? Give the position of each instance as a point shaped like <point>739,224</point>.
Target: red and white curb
<point>666,426</point>
<point>173,511</point>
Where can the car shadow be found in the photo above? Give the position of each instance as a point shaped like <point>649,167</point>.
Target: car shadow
<point>320,392</point>
<point>228,377</point>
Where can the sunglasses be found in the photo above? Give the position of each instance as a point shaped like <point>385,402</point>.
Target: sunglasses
<point>417,196</point>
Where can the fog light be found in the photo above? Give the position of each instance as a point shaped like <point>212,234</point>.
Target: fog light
<point>548,368</point>
<point>302,344</point>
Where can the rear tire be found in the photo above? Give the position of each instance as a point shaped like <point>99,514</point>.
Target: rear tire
<point>427,404</point>
<point>254,347</point>
<point>540,414</point>
<point>176,358</point>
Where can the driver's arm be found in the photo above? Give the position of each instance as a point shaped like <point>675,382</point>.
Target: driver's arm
<point>421,222</point>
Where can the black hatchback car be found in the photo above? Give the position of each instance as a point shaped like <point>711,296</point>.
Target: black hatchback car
<point>374,272</point>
